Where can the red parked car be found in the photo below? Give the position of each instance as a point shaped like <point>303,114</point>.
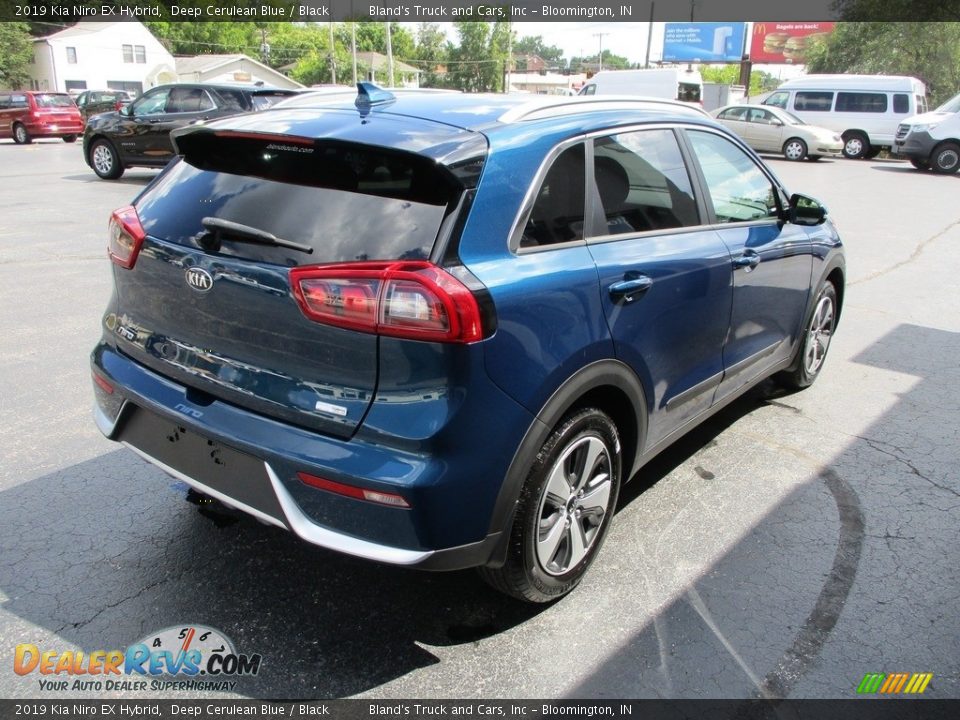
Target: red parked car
<point>29,114</point>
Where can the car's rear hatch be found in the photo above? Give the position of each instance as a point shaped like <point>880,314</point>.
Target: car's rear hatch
<point>209,302</point>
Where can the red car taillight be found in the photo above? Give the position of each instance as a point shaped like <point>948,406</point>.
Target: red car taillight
<point>126,236</point>
<point>414,299</point>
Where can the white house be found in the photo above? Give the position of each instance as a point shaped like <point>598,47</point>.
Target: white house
<point>101,55</point>
<point>230,69</point>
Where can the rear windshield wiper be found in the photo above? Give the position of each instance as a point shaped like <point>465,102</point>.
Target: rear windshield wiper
<point>244,233</point>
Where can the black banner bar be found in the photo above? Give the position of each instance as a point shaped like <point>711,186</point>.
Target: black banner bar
<point>848,709</point>
<point>457,10</point>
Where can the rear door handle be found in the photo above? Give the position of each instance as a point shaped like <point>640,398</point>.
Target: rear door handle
<point>748,260</point>
<point>630,288</point>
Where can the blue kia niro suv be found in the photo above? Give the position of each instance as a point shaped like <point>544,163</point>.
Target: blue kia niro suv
<point>441,330</point>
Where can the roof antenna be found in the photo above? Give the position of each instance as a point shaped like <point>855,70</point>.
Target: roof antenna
<point>370,95</point>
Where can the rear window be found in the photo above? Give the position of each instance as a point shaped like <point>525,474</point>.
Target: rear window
<point>51,101</point>
<point>345,201</point>
<point>262,101</point>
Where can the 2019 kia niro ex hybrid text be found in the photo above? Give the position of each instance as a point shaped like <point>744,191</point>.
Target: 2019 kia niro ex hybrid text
<point>441,330</point>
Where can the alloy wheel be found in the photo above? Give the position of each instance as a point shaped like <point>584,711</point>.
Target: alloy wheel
<point>818,335</point>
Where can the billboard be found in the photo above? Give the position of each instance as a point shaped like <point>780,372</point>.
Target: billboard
<point>779,43</point>
<point>703,42</point>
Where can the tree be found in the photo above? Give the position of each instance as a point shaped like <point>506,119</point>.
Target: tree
<point>898,10</point>
<point>534,45</point>
<point>760,82</point>
<point>207,38</point>
<point>926,50</point>
<point>16,52</point>
<point>478,64</point>
<point>432,51</point>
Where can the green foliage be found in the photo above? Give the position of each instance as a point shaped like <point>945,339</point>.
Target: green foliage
<point>207,38</point>
<point>534,45</point>
<point>478,64</point>
<point>432,51</point>
<point>610,62</point>
<point>16,52</point>
<point>929,51</point>
<point>897,10</point>
<point>760,82</point>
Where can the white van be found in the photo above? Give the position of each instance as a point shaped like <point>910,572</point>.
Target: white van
<point>864,109</point>
<point>668,83</point>
<point>931,141</point>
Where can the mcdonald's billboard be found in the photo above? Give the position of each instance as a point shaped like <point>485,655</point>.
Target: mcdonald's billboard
<point>784,43</point>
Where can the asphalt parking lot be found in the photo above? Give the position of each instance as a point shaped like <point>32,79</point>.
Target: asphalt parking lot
<point>784,549</point>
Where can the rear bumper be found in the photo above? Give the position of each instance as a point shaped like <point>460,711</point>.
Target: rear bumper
<point>55,129</point>
<point>447,526</point>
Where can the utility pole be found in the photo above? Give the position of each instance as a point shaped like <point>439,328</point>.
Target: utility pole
<point>353,49</point>
<point>600,57</point>
<point>506,84</point>
<point>333,61</point>
<point>646,62</point>
<point>390,82</point>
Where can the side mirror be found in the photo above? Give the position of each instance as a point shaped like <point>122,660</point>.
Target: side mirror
<point>126,110</point>
<point>778,123</point>
<point>805,210</point>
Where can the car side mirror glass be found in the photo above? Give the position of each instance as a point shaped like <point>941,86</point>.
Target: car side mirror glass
<point>804,210</point>
<point>126,110</point>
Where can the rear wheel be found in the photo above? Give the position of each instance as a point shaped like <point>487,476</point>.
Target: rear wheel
<point>20,135</point>
<point>104,160</point>
<point>946,159</point>
<point>794,149</point>
<point>69,138</point>
<point>815,342</point>
<point>564,510</point>
<point>855,145</point>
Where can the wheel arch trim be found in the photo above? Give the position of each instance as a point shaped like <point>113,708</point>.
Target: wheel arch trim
<point>603,374</point>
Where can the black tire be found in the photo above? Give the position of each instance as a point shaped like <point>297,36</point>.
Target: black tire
<point>945,159</point>
<point>815,341</point>
<point>855,145</point>
<point>794,149</point>
<point>556,534</point>
<point>69,138</point>
<point>920,164</point>
<point>20,135</point>
<point>104,160</point>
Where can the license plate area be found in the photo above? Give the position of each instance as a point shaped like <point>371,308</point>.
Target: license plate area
<point>233,473</point>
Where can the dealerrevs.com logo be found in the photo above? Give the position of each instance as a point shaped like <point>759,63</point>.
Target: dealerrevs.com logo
<point>184,657</point>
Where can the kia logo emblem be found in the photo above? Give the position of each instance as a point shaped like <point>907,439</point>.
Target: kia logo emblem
<point>199,279</point>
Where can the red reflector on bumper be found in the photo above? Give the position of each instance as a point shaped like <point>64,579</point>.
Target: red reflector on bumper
<point>374,496</point>
<point>103,384</point>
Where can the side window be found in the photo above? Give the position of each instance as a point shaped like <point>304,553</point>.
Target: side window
<point>643,183</point>
<point>901,103</point>
<point>778,99</point>
<point>759,116</point>
<point>151,103</point>
<point>185,100</point>
<point>557,213</point>
<point>861,102</point>
<point>737,113</point>
<point>813,101</point>
<point>739,189</point>
<point>4,102</point>
<point>589,90</point>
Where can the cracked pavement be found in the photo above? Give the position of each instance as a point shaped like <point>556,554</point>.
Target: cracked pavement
<point>785,548</point>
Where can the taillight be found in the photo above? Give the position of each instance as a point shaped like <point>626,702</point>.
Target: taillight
<point>374,496</point>
<point>413,299</point>
<point>126,236</point>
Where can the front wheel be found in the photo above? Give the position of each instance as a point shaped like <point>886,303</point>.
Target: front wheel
<point>794,149</point>
<point>20,135</point>
<point>855,145</point>
<point>104,160</point>
<point>946,159</point>
<point>815,342</point>
<point>564,510</point>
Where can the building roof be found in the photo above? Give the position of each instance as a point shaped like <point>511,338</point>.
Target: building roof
<point>378,62</point>
<point>79,30</point>
<point>203,63</point>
